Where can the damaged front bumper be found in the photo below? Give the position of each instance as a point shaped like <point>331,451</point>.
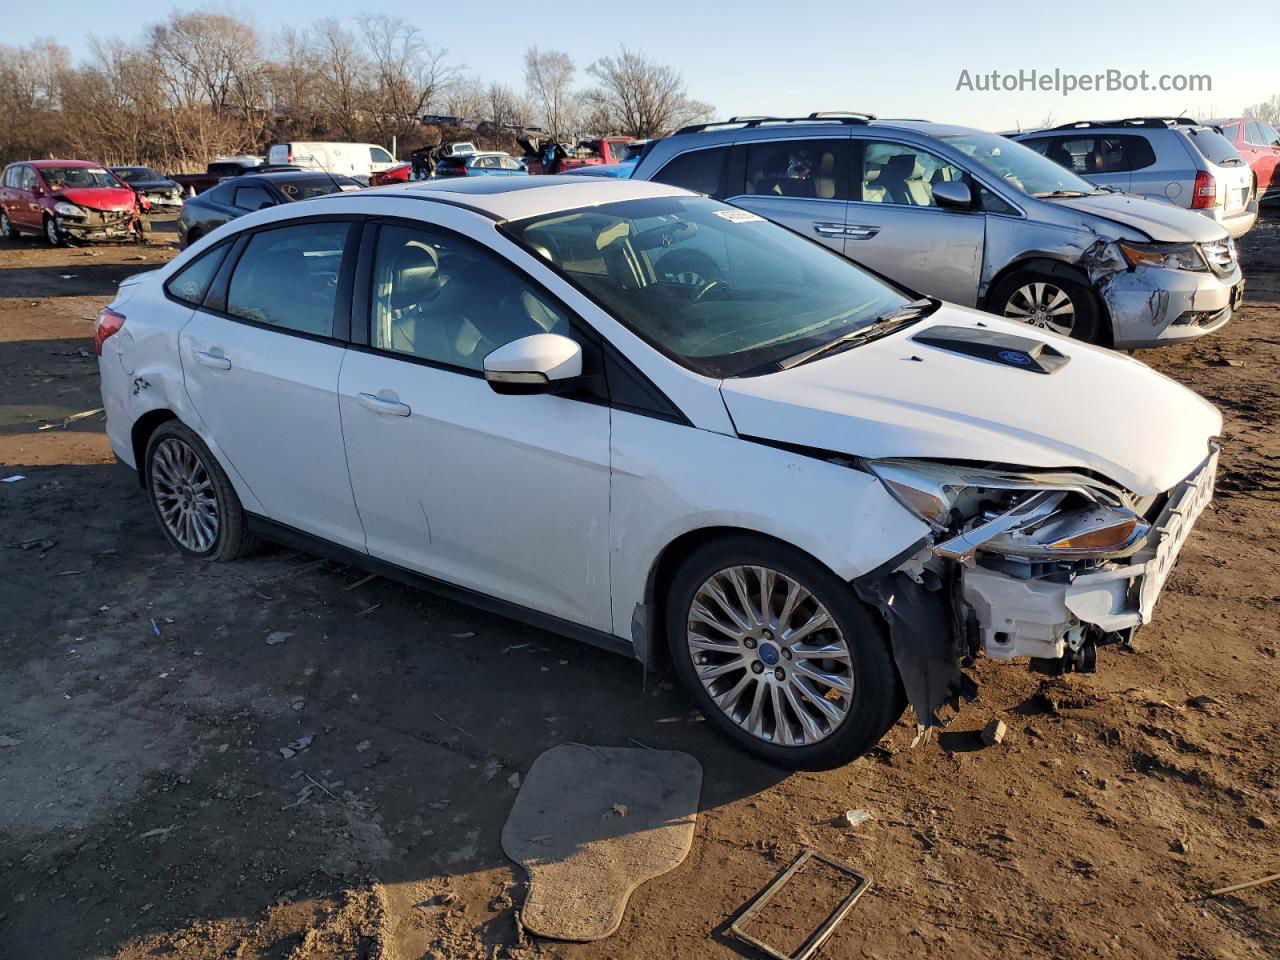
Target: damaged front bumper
<point>942,610</point>
<point>99,225</point>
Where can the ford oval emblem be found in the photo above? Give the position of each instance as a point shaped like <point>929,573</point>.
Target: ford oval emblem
<point>1013,356</point>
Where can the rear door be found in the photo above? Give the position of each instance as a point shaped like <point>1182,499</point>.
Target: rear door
<point>261,361</point>
<point>799,182</point>
<point>895,227</point>
<point>25,210</point>
<point>504,495</point>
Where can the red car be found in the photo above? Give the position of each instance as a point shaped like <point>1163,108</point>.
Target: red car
<point>399,174</point>
<point>1259,144</point>
<point>67,200</point>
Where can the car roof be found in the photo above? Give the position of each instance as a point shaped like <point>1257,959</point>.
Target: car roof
<point>513,198</point>
<point>41,164</point>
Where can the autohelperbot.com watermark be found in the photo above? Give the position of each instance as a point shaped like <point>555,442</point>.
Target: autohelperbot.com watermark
<point>1066,82</point>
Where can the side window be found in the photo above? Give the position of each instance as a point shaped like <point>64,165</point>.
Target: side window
<point>288,277</point>
<point>222,193</point>
<point>899,174</point>
<point>9,180</point>
<point>1040,145</point>
<point>191,283</point>
<point>808,169</point>
<point>992,203</point>
<point>378,155</point>
<point>253,198</point>
<point>29,179</point>
<point>509,163</point>
<point>1253,133</point>
<point>1231,131</point>
<point>697,170</point>
<point>441,299</point>
<point>1136,152</point>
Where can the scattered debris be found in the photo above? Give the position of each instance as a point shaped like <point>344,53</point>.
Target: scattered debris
<point>37,543</point>
<point>1224,362</point>
<point>1202,701</point>
<point>1258,823</point>
<point>158,832</point>
<point>298,704</point>
<point>82,415</point>
<point>464,636</point>
<point>14,479</point>
<point>278,636</point>
<point>454,725</point>
<point>361,582</point>
<point>297,746</point>
<point>68,276</point>
<point>1181,845</point>
<point>993,733</point>
<point>6,741</point>
<point>853,818</point>
<point>514,781</point>
<point>1271,878</point>
<point>363,745</point>
<point>620,809</point>
<point>368,610</point>
<point>514,646</point>
<point>819,936</point>
<point>491,768</point>
<point>155,628</point>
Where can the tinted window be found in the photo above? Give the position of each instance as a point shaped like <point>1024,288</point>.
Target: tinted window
<point>698,170</point>
<point>253,198</point>
<point>1102,154</point>
<point>221,193</point>
<point>442,299</point>
<point>1040,145</point>
<point>1231,131</point>
<point>810,169</point>
<point>191,283</point>
<point>1214,147</point>
<point>288,277</point>
<point>899,174</point>
<point>303,188</point>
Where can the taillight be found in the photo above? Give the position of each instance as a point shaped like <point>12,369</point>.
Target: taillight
<point>108,322</point>
<point>1205,193</point>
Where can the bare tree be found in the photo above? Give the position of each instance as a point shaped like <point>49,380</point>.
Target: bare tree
<point>1268,110</point>
<point>341,69</point>
<point>407,74</point>
<point>641,97</point>
<point>549,76</point>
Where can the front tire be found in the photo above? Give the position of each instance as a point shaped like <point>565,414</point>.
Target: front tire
<point>1052,300</point>
<point>51,233</point>
<point>780,655</point>
<point>192,498</point>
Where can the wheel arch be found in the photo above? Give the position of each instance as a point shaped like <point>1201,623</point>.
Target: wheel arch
<point>1055,267</point>
<point>140,435</point>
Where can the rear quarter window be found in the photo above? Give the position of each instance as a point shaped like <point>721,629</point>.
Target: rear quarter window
<point>697,170</point>
<point>191,283</point>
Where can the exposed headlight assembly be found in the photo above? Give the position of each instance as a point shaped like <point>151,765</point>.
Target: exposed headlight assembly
<point>1053,515</point>
<point>64,209</point>
<point>1173,256</point>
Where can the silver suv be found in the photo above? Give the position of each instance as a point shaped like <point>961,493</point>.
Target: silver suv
<point>1174,159</point>
<point>967,216</point>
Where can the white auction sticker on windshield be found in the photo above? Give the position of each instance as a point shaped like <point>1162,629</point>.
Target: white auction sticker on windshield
<point>737,216</point>
<point>98,170</point>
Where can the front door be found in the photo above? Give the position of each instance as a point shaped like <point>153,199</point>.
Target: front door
<point>262,372</point>
<point>505,495</point>
<point>895,227</point>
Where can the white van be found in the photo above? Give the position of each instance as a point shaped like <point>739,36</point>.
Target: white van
<point>350,159</point>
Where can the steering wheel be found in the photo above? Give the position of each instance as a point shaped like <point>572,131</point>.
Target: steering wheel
<point>716,284</point>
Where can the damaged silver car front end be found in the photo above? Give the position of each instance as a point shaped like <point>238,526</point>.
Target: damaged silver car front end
<point>1043,565</point>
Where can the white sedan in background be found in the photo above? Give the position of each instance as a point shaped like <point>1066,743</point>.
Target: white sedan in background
<point>665,426</point>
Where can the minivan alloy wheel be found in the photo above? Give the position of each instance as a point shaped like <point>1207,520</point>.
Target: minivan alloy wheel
<point>184,495</point>
<point>770,655</point>
<point>1043,305</point>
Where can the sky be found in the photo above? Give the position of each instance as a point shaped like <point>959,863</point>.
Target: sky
<point>785,57</point>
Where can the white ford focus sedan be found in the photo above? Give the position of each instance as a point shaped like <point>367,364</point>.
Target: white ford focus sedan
<point>663,425</point>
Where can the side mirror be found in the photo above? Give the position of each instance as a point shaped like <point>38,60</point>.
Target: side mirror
<point>953,195</point>
<point>541,363</point>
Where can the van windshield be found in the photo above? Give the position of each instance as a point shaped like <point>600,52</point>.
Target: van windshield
<point>720,290</point>
<point>1019,166</point>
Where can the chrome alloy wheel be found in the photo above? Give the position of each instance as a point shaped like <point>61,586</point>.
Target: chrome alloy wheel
<point>770,655</point>
<point>1042,305</point>
<point>184,495</point>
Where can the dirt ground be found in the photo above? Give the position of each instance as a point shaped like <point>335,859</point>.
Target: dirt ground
<point>146,809</point>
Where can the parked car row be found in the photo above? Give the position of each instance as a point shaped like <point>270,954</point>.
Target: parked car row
<point>812,491</point>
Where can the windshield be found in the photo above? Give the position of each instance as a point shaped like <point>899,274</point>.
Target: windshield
<point>720,290</point>
<point>136,174</point>
<point>1019,165</point>
<point>304,188</point>
<point>76,178</point>
<point>1215,148</point>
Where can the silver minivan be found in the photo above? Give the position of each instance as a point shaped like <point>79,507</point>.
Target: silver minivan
<point>970,217</point>
<point>1173,159</point>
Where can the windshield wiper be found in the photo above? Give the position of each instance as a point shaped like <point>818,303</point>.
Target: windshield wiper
<point>881,326</point>
<point>1062,194</point>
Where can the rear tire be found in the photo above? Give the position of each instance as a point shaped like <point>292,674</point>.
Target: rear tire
<point>6,228</point>
<point>776,706</point>
<point>1053,299</point>
<point>192,497</point>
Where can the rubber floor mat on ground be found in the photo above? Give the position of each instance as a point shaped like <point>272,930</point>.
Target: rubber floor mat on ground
<point>591,824</point>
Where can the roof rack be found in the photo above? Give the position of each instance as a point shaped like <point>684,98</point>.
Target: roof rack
<point>751,122</point>
<point>1148,123</point>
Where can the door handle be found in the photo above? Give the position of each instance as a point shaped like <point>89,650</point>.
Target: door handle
<point>215,360</point>
<point>828,229</point>
<point>378,405</point>
<point>861,233</point>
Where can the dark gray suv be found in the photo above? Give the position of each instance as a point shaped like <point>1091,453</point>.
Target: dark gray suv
<point>967,216</point>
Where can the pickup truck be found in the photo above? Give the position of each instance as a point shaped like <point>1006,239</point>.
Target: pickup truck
<point>547,157</point>
<point>218,170</point>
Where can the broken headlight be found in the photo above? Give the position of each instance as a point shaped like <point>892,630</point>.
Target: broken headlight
<point>64,209</point>
<point>1047,515</point>
<point>1172,256</point>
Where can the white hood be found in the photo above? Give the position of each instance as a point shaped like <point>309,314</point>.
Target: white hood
<point>1102,411</point>
<point>1162,222</point>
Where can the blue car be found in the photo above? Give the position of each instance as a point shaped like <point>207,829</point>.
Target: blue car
<point>480,165</point>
